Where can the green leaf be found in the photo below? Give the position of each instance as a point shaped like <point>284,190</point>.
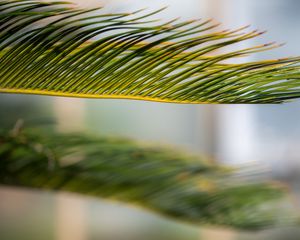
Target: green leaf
<point>172,183</point>
<point>53,49</point>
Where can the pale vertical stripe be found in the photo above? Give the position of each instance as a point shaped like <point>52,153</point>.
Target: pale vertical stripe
<point>70,212</point>
<point>89,3</point>
<point>213,234</point>
<point>209,113</point>
<point>69,114</point>
<point>236,134</point>
<point>215,8</point>
<point>71,222</point>
<point>236,125</point>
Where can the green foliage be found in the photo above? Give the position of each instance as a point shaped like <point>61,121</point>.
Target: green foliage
<point>52,49</point>
<point>169,182</point>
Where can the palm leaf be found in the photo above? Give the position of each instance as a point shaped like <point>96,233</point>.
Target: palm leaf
<point>169,182</point>
<point>52,49</point>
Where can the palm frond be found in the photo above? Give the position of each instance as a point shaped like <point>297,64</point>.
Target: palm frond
<point>169,182</point>
<point>52,49</point>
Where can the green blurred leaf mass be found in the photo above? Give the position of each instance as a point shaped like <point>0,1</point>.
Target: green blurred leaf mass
<point>170,182</point>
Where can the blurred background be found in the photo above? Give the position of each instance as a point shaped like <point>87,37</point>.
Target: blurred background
<point>267,135</point>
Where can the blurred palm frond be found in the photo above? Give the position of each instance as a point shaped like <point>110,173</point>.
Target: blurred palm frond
<point>52,49</point>
<point>172,183</point>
